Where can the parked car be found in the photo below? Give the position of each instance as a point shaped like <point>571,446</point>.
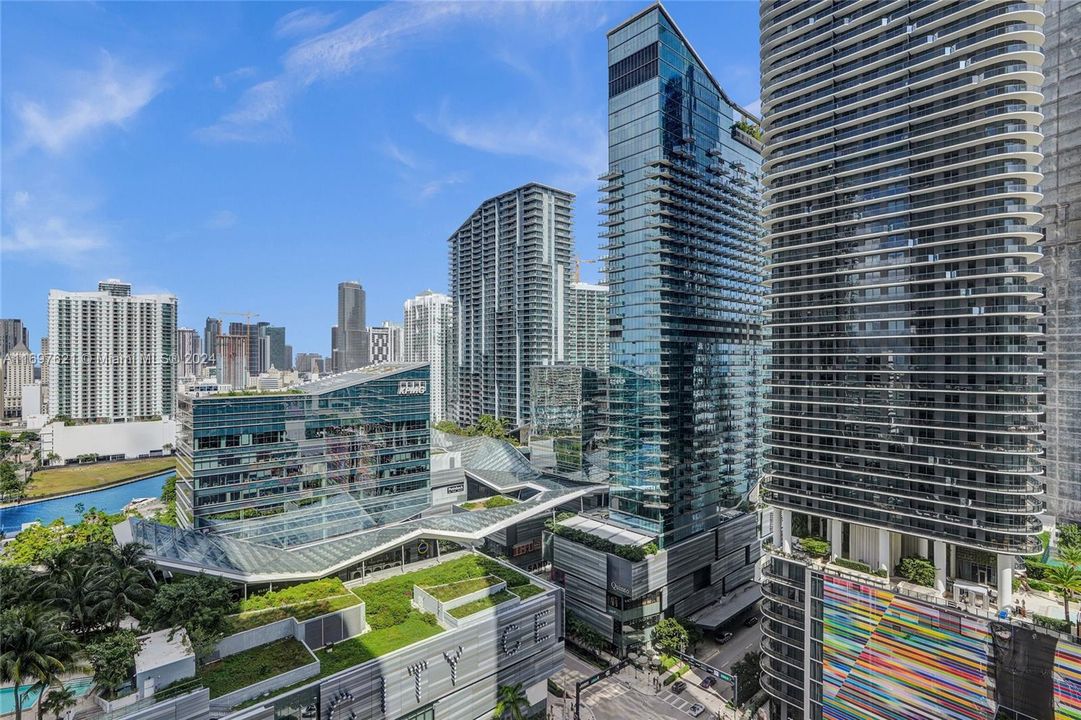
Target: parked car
<point>678,686</point>
<point>696,710</point>
<point>752,621</point>
<point>707,682</point>
<point>722,638</point>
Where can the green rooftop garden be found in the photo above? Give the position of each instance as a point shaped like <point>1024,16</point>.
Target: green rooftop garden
<point>527,591</point>
<point>634,553</point>
<point>415,627</point>
<point>393,621</point>
<point>496,501</point>
<point>300,611</point>
<point>443,593</point>
<point>251,666</point>
<point>388,602</point>
<point>483,603</point>
<point>305,592</point>
<point>303,602</point>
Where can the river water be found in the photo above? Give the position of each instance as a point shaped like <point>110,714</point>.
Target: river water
<point>110,500</point>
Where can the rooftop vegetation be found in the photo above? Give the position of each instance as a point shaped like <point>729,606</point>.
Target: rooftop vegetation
<point>443,593</point>
<point>488,601</point>
<point>251,666</point>
<point>388,602</point>
<point>750,128</point>
<point>496,501</point>
<point>634,553</point>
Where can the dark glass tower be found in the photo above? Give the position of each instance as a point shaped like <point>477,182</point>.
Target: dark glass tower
<point>685,271</point>
<point>901,166</point>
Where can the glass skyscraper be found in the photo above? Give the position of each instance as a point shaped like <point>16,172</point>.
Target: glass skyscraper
<point>685,276</point>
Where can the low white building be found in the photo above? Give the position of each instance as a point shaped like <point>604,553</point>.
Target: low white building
<point>33,414</point>
<point>109,441</point>
<point>165,657</point>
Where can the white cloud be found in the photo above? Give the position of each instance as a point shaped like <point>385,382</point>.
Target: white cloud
<point>576,143</point>
<point>392,150</point>
<point>222,220</point>
<point>755,106</point>
<point>53,238</point>
<point>111,95</point>
<point>434,187</point>
<point>223,81</point>
<point>21,199</point>
<point>377,33</point>
<point>303,22</point>
<point>257,116</point>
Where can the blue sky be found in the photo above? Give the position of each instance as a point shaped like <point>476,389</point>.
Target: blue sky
<point>250,156</point>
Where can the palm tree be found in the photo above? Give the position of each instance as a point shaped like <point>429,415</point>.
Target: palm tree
<point>72,585</point>
<point>34,648</point>
<point>125,586</point>
<point>59,699</point>
<point>1067,581</point>
<point>512,703</point>
<point>1070,556</point>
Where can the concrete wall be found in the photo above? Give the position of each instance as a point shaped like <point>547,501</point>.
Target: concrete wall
<point>248,639</point>
<point>193,706</point>
<point>166,674</point>
<point>315,633</point>
<point>430,604</point>
<point>332,627</point>
<point>131,440</point>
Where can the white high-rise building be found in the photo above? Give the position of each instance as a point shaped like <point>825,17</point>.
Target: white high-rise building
<point>427,336</point>
<point>112,354</point>
<point>385,343</point>
<point>587,326</point>
<point>510,267</point>
<point>189,353</point>
<point>17,370</point>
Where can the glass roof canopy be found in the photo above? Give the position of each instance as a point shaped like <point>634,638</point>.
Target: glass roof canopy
<point>315,542</point>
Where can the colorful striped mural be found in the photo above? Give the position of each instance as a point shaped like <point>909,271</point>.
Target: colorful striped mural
<point>1067,681</point>
<point>887,657</point>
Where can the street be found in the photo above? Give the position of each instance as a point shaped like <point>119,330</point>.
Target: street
<point>630,695</point>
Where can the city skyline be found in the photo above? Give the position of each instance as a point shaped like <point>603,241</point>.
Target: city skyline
<point>363,187</point>
<point>800,445</point>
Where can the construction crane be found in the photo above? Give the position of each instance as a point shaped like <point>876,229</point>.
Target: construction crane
<point>247,315</point>
<point>578,262</point>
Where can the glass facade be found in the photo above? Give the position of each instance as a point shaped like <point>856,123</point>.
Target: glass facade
<point>355,443</point>
<point>1061,264</point>
<point>685,277</point>
<point>569,410</point>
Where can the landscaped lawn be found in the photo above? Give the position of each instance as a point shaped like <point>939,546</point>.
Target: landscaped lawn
<point>372,644</point>
<point>463,587</point>
<point>481,604</point>
<point>300,611</point>
<point>387,602</point>
<point>251,666</point>
<point>305,592</point>
<point>527,591</point>
<point>75,478</point>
